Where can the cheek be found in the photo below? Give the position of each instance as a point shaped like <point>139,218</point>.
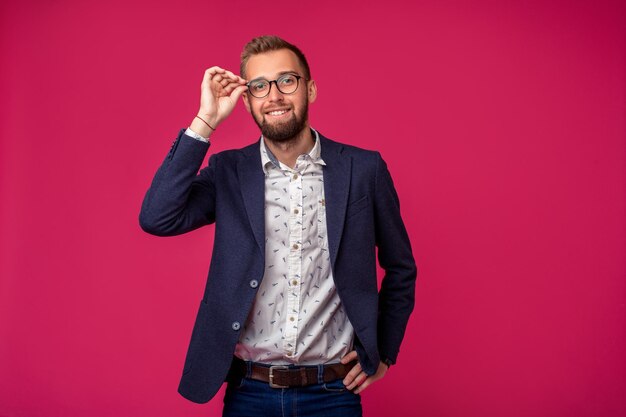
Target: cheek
<point>252,108</point>
<point>246,102</point>
<point>256,113</point>
<point>301,102</point>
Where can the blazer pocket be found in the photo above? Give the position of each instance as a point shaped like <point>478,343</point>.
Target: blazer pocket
<point>357,206</point>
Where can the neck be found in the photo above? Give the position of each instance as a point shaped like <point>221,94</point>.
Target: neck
<point>289,150</point>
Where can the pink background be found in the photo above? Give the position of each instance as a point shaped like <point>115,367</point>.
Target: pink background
<point>503,127</point>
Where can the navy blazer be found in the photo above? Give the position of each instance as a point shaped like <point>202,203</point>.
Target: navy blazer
<point>363,213</point>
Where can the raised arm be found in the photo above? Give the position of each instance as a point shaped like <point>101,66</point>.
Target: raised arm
<point>179,199</point>
<point>219,93</point>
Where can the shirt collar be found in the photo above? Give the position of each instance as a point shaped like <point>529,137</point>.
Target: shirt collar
<point>267,157</point>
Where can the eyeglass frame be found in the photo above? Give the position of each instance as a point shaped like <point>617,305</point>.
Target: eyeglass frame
<point>276,82</point>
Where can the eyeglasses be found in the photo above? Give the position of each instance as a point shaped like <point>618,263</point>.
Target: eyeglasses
<point>286,84</point>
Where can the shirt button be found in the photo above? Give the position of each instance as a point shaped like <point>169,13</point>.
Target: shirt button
<point>295,246</point>
<point>323,201</point>
<point>295,176</point>
<point>296,211</point>
<point>291,318</point>
<point>254,283</point>
<point>236,326</point>
<point>294,282</point>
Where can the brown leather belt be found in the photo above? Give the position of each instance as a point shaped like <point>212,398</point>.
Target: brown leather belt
<point>282,376</point>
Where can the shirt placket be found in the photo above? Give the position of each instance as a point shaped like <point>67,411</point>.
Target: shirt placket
<point>294,260</point>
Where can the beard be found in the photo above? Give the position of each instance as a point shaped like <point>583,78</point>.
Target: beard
<point>283,131</point>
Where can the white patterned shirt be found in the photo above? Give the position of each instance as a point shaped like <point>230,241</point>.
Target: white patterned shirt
<point>296,317</point>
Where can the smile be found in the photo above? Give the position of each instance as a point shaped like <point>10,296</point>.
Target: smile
<point>278,113</point>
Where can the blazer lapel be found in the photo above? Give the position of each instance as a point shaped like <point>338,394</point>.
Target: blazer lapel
<point>336,186</point>
<point>252,180</point>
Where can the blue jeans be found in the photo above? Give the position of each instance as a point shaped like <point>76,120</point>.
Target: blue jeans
<point>251,398</point>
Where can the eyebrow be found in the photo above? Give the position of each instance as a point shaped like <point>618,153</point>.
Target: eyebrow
<point>278,75</point>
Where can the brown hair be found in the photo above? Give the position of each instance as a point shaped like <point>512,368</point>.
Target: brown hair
<point>269,43</point>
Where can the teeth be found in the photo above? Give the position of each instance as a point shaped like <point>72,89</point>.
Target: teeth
<point>277,112</point>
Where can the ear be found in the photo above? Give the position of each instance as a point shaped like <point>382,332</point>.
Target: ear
<point>246,101</point>
<point>312,90</point>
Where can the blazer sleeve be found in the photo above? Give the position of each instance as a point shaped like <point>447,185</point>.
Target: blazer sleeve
<point>397,294</point>
<point>180,199</point>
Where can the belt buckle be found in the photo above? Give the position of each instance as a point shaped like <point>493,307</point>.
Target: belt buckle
<point>272,376</point>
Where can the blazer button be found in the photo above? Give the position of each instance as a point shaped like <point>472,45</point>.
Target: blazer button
<point>236,326</point>
<point>254,283</point>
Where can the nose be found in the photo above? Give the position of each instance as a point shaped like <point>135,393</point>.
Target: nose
<point>275,94</point>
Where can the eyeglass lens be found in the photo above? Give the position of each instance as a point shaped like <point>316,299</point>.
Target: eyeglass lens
<point>286,84</point>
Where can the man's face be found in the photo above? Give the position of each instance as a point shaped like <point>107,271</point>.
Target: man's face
<point>279,116</point>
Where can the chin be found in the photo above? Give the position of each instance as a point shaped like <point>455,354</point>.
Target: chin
<point>283,131</point>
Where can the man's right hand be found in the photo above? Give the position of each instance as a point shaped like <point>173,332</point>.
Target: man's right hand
<point>219,92</point>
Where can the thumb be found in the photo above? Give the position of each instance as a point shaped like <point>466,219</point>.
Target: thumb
<point>237,92</point>
<point>349,357</point>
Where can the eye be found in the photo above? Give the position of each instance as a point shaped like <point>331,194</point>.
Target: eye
<point>259,85</point>
<point>287,80</point>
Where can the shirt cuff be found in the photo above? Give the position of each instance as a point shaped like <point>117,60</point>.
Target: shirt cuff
<point>196,136</point>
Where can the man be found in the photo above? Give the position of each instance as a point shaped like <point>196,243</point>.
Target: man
<point>291,317</point>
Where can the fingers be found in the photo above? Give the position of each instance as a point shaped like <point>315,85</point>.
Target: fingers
<point>238,92</point>
<point>218,74</point>
<point>210,73</point>
<point>358,380</point>
<point>219,93</point>
<point>350,356</point>
<point>354,372</point>
<point>223,82</point>
<point>364,385</point>
<point>229,85</point>
<point>235,78</point>
<point>349,380</point>
<point>380,372</point>
<point>222,79</point>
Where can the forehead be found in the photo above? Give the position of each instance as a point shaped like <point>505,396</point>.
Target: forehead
<point>270,65</point>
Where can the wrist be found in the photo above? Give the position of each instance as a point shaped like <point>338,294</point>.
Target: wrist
<point>189,132</point>
<point>387,362</point>
<point>200,127</point>
<point>209,118</point>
